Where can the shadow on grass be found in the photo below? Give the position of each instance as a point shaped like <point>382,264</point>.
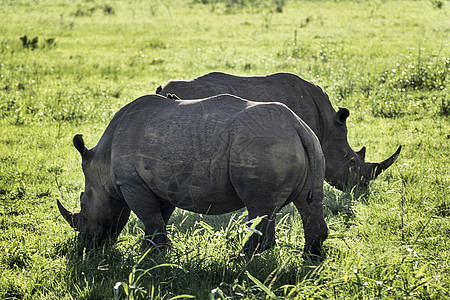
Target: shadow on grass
<point>204,260</point>
<point>200,263</point>
<point>340,204</point>
<point>92,269</point>
<point>217,273</point>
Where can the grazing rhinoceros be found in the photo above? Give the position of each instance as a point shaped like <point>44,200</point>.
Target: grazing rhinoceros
<point>209,156</point>
<point>344,166</point>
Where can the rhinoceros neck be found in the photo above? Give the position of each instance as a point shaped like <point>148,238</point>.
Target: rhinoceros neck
<point>305,99</point>
<point>102,156</point>
<point>100,170</point>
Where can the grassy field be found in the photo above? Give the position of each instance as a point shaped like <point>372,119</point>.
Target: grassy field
<point>67,67</point>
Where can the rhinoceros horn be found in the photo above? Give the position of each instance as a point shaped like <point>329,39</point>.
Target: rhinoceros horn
<point>67,215</point>
<point>380,167</point>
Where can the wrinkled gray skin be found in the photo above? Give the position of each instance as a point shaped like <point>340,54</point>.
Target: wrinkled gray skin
<point>345,168</point>
<point>211,156</point>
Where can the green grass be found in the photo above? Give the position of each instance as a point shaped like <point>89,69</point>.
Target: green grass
<point>387,61</point>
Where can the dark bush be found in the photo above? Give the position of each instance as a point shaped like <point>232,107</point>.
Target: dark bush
<point>29,43</point>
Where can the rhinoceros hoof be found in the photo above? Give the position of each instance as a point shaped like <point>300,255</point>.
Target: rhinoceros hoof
<point>156,241</point>
<point>255,246</point>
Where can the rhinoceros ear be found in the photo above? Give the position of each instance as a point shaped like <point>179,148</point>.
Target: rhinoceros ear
<point>172,96</point>
<point>342,115</point>
<point>79,144</point>
<point>362,153</point>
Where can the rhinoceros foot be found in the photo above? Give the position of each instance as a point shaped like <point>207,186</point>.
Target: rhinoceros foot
<point>156,242</point>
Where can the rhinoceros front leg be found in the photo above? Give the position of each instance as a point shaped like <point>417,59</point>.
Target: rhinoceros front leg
<point>166,210</point>
<point>150,210</point>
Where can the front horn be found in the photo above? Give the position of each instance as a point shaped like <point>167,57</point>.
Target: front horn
<point>67,215</point>
<point>380,167</point>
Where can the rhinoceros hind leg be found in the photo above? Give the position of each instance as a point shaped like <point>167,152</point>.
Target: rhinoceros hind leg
<point>314,225</point>
<point>258,243</point>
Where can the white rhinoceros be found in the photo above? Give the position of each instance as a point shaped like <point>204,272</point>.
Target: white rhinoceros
<point>209,156</point>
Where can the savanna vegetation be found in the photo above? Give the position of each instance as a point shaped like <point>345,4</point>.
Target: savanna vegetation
<point>67,66</point>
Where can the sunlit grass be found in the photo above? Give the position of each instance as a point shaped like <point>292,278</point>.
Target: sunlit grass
<point>387,61</point>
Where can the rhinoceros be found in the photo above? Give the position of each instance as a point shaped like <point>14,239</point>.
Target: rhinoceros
<point>209,156</point>
<point>345,168</point>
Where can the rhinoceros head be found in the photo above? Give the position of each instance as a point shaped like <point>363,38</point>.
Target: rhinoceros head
<point>345,167</point>
<point>101,215</point>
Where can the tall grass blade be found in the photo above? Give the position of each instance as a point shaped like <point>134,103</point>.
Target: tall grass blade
<point>261,286</point>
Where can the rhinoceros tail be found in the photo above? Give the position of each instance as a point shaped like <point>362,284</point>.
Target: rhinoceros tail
<point>158,90</point>
<point>315,158</point>
<point>310,197</point>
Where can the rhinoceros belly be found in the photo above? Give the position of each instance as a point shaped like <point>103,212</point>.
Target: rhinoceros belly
<point>201,185</point>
